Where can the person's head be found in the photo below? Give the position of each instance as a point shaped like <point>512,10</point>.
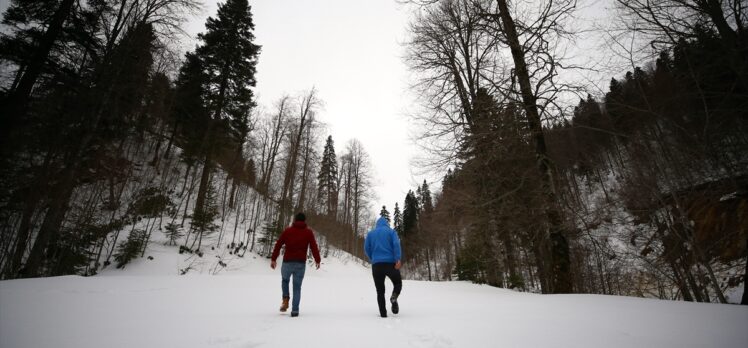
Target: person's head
<point>299,217</point>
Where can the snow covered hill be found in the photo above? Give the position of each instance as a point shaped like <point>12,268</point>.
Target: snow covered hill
<point>148,305</point>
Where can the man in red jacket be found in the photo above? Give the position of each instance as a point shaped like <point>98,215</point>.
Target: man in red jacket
<point>297,238</point>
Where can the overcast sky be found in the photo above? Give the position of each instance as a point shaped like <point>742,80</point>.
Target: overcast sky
<point>350,50</point>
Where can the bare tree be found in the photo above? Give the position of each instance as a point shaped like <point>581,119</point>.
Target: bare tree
<point>530,41</point>
<point>465,43</point>
<point>166,16</point>
<point>307,106</point>
<point>453,56</point>
<point>663,22</point>
<point>310,166</point>
<point>344,188</point>
<point>360,180</point>
<point>273,130</point>
<point>354,186</point>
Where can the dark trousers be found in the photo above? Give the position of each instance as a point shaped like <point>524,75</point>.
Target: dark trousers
<point>380,271</point>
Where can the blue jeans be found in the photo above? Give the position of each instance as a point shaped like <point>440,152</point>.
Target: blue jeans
<point>297,270</point>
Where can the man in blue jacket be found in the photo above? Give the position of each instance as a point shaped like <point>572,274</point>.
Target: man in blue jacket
<point>382,247</point>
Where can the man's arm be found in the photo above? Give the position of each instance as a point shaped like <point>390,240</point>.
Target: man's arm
<point>277,248</point>
<point>396,249</point>
<point>367,246</point>
<point>315,248</point>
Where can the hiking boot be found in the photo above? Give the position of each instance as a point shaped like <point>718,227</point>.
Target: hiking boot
<point>395,306</point>
<point>294,314</point>
<point>284,305</point>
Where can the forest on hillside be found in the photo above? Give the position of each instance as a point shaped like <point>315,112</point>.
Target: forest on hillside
<point>639,190</point>
<point>109,134</point>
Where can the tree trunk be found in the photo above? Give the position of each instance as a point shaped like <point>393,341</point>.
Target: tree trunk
<point>304,172</point>
<point>51,225</point>
<point>560,260</point>
<point>19,73</point>
<point>714,9</point>
<point>692,282</point>
<point>187,200</point>
<point>24,230</point>
<point>436,265</point>
<point>236,226</point>
<point>540,262</point>
<point>356,204</point>
<point>511,262</point>
<point>232,195</point>
<point>204,182</point>
<point>159,140</point>
<point>713,279</point>
<point>148,229</point>
<point>22,237</point>
<point>286,199</point>
<point>744,300</point>
<point>428,263</point>
<point>167,152</point>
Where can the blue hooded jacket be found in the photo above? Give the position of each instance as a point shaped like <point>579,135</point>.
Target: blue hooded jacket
<point>382,243</point>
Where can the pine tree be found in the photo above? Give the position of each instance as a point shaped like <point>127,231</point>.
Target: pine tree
<point>130,248</point>
<point>448,178</point>
<point>385,214</point>
<point>228,57</point>
<point>410,215</point>
<point>127,76</point>
<point>203,220</point>
<point>173,233</point>
<point>328,179</point>
<point>397,219</point>
<point>189,110</point>
<point>425,200</point>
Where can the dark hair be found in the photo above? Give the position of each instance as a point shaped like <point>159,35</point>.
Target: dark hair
<point>299,217</point>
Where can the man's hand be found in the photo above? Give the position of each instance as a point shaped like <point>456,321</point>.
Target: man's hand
<point>398,265</point>
<point>317,264</point>
<point>272,264</point>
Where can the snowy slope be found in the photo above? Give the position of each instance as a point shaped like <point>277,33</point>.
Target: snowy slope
<point>147,305</point>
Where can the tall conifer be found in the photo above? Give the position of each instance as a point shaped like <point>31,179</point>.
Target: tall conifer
<point>397,220</point>
<point>410,215</point>
<point>328,179</point>
<point>425,200</point>
<point>385,214</point>
<point>228,57</point>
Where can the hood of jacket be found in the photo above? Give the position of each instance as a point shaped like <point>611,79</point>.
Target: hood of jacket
<point>382,222</point>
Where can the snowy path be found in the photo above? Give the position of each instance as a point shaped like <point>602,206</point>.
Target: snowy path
<point>338,309</point>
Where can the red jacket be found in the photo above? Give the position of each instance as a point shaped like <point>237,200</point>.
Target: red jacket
<point>297,239</point>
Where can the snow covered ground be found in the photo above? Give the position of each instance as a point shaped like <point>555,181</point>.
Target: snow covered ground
<point>148,305</point>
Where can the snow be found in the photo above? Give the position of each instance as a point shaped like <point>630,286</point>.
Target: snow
<point>148,305</point>
<point>734,295</point>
